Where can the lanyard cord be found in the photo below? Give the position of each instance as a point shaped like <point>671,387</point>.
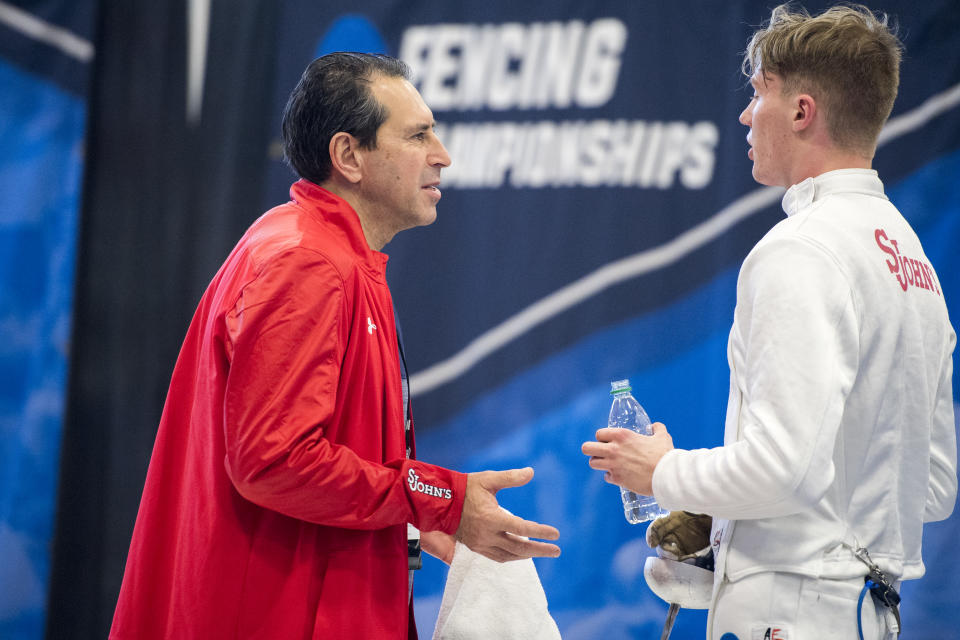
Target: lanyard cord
<point>866,587</point>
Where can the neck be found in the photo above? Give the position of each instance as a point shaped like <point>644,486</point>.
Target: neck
<point>376,233</point>
<point>816,164</point>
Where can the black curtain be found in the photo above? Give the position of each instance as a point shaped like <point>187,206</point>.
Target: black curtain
<point>164,200</point>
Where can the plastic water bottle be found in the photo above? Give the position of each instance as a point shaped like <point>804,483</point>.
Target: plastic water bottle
<point>627,413</point>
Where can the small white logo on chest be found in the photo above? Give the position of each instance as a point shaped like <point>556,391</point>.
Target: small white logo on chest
<point>370,326</point>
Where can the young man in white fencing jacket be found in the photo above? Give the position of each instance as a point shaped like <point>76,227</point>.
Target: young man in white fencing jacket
<point>839,440</point>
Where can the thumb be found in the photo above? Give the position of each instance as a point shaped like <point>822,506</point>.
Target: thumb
<point>510,478</point>
<point>657,427</point>
<point>654,533</point>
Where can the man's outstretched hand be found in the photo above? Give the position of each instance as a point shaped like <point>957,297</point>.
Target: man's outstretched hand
<point>491,531</point>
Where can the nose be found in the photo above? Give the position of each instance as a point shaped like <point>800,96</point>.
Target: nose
<point>746,116</point>
<point>438,155</point>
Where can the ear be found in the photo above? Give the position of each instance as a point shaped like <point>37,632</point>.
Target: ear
<point>805,112</point>
<point>344,156</point>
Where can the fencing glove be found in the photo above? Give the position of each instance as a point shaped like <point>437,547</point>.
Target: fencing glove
<point>680,535</point>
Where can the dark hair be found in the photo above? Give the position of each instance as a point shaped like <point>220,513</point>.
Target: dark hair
<point>334,95</point>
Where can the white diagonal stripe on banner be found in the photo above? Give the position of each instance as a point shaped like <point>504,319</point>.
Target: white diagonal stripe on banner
<point>916,118</point>
<point>58,37</point>
<point>646,261</point>
<point>590,285</point>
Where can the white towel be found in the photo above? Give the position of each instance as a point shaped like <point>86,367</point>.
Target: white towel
<point>484,599</point>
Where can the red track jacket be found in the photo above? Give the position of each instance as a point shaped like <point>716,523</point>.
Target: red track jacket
<point>277,495</point>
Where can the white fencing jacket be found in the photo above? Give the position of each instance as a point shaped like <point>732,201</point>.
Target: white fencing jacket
<point>840,425</point>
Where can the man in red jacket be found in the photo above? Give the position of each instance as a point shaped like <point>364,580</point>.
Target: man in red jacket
<point>284,477</point>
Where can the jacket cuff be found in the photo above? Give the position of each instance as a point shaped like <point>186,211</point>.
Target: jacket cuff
<point>437,496</point>
<point>661,481</point>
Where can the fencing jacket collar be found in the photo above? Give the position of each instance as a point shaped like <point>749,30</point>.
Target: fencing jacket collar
<point>802,194</point>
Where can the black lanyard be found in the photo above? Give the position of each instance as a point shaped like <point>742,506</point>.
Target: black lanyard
<point>405,385</point>
<point>414,558</point>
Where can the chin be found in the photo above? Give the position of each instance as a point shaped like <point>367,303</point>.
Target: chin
<point>762,179</point>
<point>421,219</point>
<point>426,218</point>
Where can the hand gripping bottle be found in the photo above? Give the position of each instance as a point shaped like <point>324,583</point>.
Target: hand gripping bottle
<point>627,413</point>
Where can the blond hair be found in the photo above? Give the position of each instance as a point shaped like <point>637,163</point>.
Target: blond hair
<point>846,58</point>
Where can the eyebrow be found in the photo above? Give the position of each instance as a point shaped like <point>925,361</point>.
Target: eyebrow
<point>423,126</point>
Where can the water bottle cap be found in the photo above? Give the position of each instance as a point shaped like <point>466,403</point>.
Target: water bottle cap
<point>619,386</point>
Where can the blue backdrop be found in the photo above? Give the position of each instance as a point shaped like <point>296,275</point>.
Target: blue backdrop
<point>43,71</point>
